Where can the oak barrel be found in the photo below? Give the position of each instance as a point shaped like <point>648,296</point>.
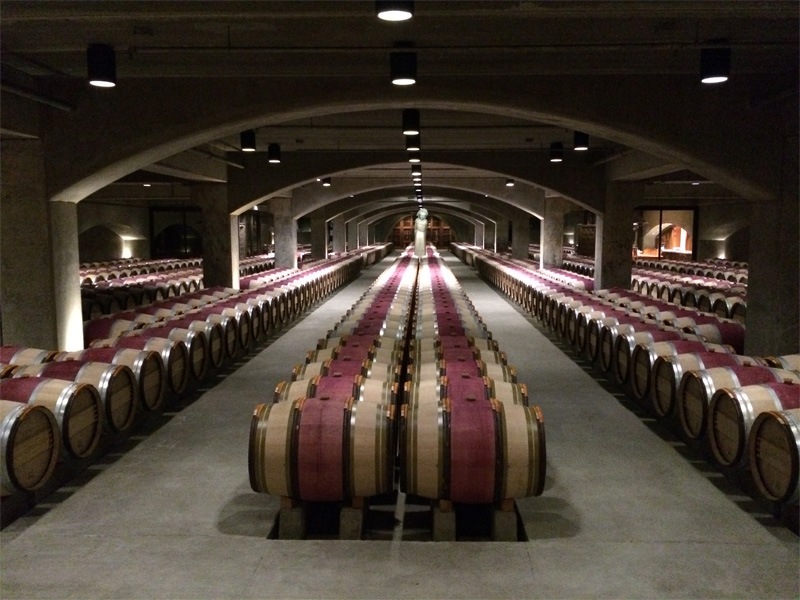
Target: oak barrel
<point>29,446</point>
<point>774,453</point>
<point>77,408</point>
<point>733,410</point>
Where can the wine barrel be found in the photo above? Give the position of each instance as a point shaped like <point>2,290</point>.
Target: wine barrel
<point>29,447</point>
<point>214,334</point>
<point>425,391</point>
<point>625,343</point>
<point>788,361</point>
<point>77,408</point>
<point>116,385</point>
<point>229,326</point>
<point>196,344</point>
<point>376,391</point>
<point>147,367</point>
<point>492,452</point>
<point>306,450</point>
<point>21,355</point>
<point>774,455</point>
<point>173,353</point>
<point>733,410</point>
<point>730,333</point>
<point>288,391</point>
<point>644,355</point>
<point>668,370</point>
<point>697,388</point>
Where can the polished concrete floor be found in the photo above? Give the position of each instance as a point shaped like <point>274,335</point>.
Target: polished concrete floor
<point>627,511</point>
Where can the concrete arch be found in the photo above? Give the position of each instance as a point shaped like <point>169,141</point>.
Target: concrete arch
<point>184,114</point>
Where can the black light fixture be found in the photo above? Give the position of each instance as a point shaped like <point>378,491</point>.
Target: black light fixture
<point>394,10</point>
<point>101,65</point>
<point>715,64</point>
<point>274,153</point>
<point>414,157</point>
<point>556,152</point>
<point>410,121</point>
<point>326,182</point>
<point>416,169</point>
<point>581,141</point>
<point>416,178</point>
<point>417,184</point>
<point>403,68</point>
<point>413,143</point>
<point>247,139</point>
<point>509,183</point>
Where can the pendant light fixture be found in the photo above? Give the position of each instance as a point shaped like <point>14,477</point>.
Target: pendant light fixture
<point>410,121</point>
<point>247,139</point>
<point>403,68</point>
<point>509,183</point>
<point>274,153</point>
<point>416,170</point>
<point>581,141</point>
<point>394,10</point>
<point>414,157</point>
<point>101,65</point>
<point>715,64</point>
<point>326,182</point>
<point>556,152</point>
<point>413,143</point>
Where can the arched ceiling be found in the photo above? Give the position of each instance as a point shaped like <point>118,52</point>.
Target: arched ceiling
<point>323,46</point>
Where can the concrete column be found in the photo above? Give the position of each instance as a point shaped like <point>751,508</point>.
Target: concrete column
<point>285,233</point>
<point>613,244</point>
<point>319,235</point>
<point>773,322</point>
<point>501,230</point>
<point>552,233</point>
<point>490,236</point>
<point>220,236</point>
<point>363,234</point>
<point>521,234</point>
<point>480,234</point>
<point>339,233</point>
<point>352,235</point>
<point>38,278</point>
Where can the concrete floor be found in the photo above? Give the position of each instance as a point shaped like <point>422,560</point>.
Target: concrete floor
<point>626,512</point>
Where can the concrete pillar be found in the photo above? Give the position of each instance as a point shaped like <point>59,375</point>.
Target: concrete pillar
<point>339,235</point>
<point>285,233</point>
<point>552,233</point>
<point>39,247</point>
<point>613,244</point>
<point>480,234</point>
<point>773,303</point>
<point>501,232</point>
<point>363,234</point>
<point>220,236</point>
<point>352,235</point>
<point>520,234</point>
<point>490,236</point>
<point>319,235</point>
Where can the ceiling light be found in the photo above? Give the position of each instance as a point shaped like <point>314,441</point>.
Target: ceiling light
<point>145,185</point>
<point>581,141</point>
<point>403,68</point>
<point>412,142</point>
<point>326,182</point>
<point>247,139</point>
<point>416,178</point>
<point>414,157</point>
<point>715,65</point>
<point>101,65</point>
<point>695,183</point>
<point>417,184</point>
<point>394,10</point>
<point>556,152</point>
<point>410,121</point>
<point>416,169</point>
<point>255,207</point>
<point>509,183</point>
<point>274,153</point>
